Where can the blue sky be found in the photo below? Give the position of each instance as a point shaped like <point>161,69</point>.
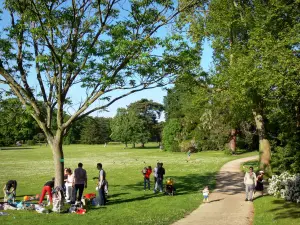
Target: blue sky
<point>156,95</point>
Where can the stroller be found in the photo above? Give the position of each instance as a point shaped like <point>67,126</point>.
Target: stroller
<point>170,189</point>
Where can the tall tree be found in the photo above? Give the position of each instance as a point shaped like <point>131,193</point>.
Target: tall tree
<point>97,46</point>
<point>149,112</point>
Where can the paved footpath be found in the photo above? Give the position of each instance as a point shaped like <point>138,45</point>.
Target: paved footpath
<point>227,205</point>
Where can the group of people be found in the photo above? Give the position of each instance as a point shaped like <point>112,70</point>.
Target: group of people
<point>253,183</point>
<point>74,186</point>
<point>158,173</point>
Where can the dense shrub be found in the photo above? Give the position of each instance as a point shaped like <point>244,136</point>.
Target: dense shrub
<point>286,186</point>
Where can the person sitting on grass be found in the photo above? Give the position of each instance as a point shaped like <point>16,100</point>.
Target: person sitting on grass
<point>205,193</point>
<point>10,190</point>
<point>48,186</point>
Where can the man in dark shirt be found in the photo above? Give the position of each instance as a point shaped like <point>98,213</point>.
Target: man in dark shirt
<point>80,180</point>
<point>160,177</point>
<point>48,186</point>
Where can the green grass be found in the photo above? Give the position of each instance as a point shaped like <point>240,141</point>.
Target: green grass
<point>271,210</point>
<point>128,203</point>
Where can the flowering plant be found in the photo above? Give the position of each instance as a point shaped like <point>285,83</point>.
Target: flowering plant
<point>286,186</point>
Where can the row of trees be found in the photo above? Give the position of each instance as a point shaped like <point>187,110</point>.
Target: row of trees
<point>254,89</point>
<point>136,124</point>
<point>17,125</point>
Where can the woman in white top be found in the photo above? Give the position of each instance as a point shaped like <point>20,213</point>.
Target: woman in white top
<point>69,185</point>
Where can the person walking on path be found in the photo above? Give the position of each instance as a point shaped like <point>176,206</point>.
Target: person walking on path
<point>250,183</point>
<point>205,193</point>
<point>259,184</point>
<point>101,185</point>
<point>80,181</point>
<point>48,186</point>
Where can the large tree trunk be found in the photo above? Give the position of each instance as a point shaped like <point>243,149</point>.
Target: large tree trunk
<point>264,144</point>
<point>232,142</point>
<point>58,158</point>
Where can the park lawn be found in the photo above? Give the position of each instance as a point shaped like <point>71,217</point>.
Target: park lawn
<point>128,203</point>
<point>272,210</point>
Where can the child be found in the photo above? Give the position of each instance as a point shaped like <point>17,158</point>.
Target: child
<point>146,172</point>
<point>205,194</point>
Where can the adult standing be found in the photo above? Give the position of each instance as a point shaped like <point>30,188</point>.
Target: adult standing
<point>155,176</point>
<point>250,183</point>
<point>101,185</point>
<point>80,181</point>
<point>69,185</point>
<point>259,185</point>
<point>160,177</point>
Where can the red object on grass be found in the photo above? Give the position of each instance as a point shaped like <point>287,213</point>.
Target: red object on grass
<point>90,195</point>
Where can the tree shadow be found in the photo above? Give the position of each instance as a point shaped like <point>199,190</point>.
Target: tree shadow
<point>230,183</point>
<point>285,210</point>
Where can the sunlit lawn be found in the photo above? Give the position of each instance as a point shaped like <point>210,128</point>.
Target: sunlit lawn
<point>128,203</point>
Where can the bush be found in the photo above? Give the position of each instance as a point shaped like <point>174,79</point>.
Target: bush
<point>187,145</point>
<point>286,186</point>
<point>31,142</point>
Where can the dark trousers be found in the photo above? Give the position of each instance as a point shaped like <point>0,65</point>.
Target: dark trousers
<point>79,187</point>
<point>102,199</point>
<point>146,181</point>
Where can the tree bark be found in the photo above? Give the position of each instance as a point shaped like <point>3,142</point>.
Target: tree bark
<point>58,159</point>
<point>264,144</point>
<point>232,142</point>
<point>143,145</point>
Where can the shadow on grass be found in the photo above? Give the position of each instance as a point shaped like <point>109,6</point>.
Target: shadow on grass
<point>15,148</point>
<point>285,210</point>
<point>189,184</point>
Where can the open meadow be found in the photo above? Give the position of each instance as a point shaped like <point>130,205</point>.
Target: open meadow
<point>128,202</point>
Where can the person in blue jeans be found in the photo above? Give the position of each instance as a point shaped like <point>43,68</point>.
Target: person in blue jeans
<point>101,185</point>
<point>80,181</point>
<point>160,177</point>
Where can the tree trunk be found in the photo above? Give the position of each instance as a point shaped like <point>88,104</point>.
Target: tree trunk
<point>133,145</point>
<point>232,142</point>
<point>58,158</point>
<point>143,145</point>
<point>264,144</point>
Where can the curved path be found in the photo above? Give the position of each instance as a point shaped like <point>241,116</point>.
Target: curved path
<point>227,203</point>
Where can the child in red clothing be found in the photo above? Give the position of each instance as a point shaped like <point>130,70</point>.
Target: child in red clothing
<point>147,172</point>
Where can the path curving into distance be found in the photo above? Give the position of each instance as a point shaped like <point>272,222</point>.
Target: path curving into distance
<point>227,205</point>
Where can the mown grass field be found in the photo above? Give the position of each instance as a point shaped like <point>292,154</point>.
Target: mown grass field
<point>128,202</point>
<point>271,210</point>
